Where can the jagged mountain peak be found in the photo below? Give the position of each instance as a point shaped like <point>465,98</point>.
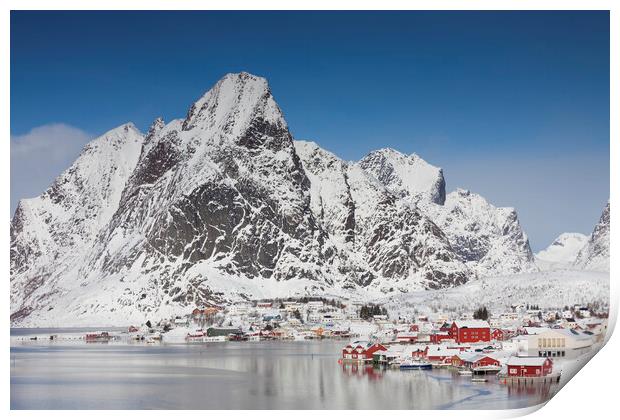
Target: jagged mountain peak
<point>474,202</point>
<point>463,192</point>
<point>489,238</point>
<point>223,204</point>
<point>562,252</point>
<point>311,149</point>
<point>564,238</point>
<point>156,126</point>
<point>234,102</point>
<point>406,175</point>
<point>51,234</point>
<point>126,132</point>
<point>595,254</point>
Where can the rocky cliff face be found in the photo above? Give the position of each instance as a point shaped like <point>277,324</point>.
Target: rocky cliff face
<point>387,240</point>
<point>595,254</point>
<point>488,239</point>
<point>223,204</point>
<point>406,176</point>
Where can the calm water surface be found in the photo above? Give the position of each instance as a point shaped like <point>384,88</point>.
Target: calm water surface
<point>230,375</point>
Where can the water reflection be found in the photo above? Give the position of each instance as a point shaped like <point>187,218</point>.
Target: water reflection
<point>540,390</point>
<point>248,375</point>
<point>362,371</point>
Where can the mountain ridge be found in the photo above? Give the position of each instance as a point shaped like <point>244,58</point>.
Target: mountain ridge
<point>224,204</point>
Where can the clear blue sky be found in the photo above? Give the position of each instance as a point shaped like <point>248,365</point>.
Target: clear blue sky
<point>513,105</point>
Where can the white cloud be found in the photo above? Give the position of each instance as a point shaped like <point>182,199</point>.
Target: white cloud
<point>40,155</point>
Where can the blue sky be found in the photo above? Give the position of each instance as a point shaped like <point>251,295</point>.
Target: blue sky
<point>513,105</point>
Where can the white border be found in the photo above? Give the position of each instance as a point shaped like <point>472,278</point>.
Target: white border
<point>591,393</point>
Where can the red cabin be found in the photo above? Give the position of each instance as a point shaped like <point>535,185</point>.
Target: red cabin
<point>438,337</point>
<point>471,331</point>
<point>529,366</point>
<point>419,352</point>
<point>445,327</point>
<point>498,335</point>
<point>361,350</point>
<point>441,355</point>
<point>474,360</point>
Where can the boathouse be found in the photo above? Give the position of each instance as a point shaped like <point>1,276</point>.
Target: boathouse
<point>529,366</point>
<point>361,351</point>
<point>473,360</point>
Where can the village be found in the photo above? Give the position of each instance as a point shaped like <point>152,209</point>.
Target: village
<point>524,344</point>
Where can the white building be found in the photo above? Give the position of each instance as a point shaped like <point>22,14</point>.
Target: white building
<point>517,345</point>
<point>559,342</point>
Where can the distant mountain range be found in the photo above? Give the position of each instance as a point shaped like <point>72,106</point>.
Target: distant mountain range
<point>578,251</point>
<point>224,205</point>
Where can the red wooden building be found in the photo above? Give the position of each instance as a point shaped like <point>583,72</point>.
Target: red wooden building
<point>445,327</point>
<point>529,366</point>
<point>470,331</point>
<point>419,352</point>
<point>498,335</point>
<point>361,351</point>
<point>438,336</point>
<point>474,360</point>
<point>441,355</point>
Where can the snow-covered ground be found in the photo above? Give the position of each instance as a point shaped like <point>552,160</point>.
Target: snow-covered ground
<point>553,289</point>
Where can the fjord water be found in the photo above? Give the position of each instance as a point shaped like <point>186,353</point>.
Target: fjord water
<point>236,375</point>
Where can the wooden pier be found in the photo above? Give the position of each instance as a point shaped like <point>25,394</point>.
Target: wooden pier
<point>529,380</point>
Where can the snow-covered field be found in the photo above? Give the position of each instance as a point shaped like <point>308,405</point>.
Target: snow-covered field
<point>553,289</point>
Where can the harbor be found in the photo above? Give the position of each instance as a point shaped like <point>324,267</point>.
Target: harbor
<point>268,374</point>
<point>307,354</point>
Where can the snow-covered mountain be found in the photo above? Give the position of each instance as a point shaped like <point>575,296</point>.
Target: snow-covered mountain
<point>488,239</point>
<point>379,238</point>
<point>595,254</point>
<point>51,234</point>
<point>223,205</point>
<point>406,176</point>
<point>562,252</point>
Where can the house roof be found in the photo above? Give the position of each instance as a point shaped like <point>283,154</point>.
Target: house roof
<point>573,334</point>
<point>472,323</point>
<point>442,351</point>
<point>364,343</point>
<point>471,356</point>
<point>536,330</point>
<point>526,361</point>
<point>570,333</point>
